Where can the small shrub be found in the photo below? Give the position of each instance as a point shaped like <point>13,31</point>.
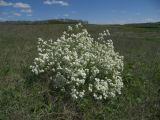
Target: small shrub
<point>79,65</point>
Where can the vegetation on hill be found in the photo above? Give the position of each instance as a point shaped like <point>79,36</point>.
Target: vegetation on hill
<point>51,21</point>
<point>23,96</point>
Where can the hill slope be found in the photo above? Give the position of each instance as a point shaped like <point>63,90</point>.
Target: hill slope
<point>22,97</point>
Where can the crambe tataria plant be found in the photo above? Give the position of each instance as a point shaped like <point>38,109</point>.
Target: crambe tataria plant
<point>78,64</point>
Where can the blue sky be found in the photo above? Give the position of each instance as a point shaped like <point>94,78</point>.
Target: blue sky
<point>94,11</point>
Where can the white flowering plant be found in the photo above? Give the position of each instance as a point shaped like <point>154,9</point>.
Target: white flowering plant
<point>80,65</point>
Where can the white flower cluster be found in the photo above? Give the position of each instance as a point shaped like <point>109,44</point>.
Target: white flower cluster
<point>86,66</point>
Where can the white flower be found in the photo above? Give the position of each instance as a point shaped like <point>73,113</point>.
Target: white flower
<point>88,66</point>
<point>70,28</point>
<point>66,58</point>
<point>90,87</point>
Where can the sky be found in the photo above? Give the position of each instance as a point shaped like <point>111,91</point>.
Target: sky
<point>93,11</point>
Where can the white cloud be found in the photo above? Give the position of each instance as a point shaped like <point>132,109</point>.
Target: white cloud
<point>57,16</point>
<point>60,2</point>
<point>16,5</point>
<point>22,5</point>
<point>24,8</point>
<point>4,3</point>
<point>17,14</point>
<point>66,15</point>
<point>149,20</point>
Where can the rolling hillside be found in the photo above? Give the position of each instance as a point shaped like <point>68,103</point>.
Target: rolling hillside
<point>23,97</point>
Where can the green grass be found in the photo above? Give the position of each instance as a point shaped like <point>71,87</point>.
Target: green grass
<point>24,97</point>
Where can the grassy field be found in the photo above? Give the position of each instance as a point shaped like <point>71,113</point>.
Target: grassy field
<point>23,97</point>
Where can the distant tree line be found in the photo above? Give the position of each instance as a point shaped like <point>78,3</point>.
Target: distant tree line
<point>145,25</point>
<point>51,21</point>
